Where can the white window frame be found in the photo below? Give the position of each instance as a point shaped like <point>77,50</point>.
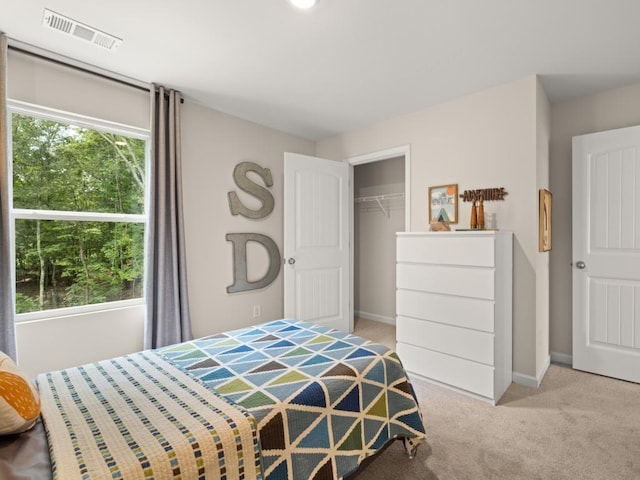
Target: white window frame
<point>28,109</point>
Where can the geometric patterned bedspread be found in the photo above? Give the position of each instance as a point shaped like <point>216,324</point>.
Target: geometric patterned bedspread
<point>323,400</point>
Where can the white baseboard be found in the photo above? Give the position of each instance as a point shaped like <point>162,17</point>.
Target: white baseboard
<point>528,380</point>
<point>375,317</point>
<point>562,358</point>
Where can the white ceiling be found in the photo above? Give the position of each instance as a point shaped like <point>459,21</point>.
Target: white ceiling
<point>346,63</point>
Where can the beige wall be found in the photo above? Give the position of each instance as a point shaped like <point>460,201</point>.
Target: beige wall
<point>605,111</point>
<point>68,340</point>
<point>213,144</point>
<point>483,140</point>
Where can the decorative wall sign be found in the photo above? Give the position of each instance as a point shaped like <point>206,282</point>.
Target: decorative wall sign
<point>443,204</point>
<point>478,197</point>
<point>240,280</point>
<point>247,185</point>
<point>544,221</point>
<point>239,240</point>
<point>487,194</point>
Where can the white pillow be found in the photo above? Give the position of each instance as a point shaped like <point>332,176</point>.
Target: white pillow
<point>19,399</point>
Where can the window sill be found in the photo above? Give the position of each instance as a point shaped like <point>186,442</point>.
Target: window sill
<point>45,315</point>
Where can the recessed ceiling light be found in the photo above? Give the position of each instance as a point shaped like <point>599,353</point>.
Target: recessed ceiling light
<point>303,3</point>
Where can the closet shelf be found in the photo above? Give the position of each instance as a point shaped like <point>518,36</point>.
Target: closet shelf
<point>379,199</point>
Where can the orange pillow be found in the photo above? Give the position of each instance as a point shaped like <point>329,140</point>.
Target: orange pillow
<point>19,399</point>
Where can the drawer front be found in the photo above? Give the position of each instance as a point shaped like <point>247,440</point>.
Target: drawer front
<point>447,250</point>
<point>472,377</point>
<point>460,311</point>
<point>461,281</point>
<point>460,342</point>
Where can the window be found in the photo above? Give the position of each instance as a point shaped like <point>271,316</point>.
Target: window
<point>79,196</point>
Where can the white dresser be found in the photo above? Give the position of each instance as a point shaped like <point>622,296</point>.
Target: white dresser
<point>454,309</point>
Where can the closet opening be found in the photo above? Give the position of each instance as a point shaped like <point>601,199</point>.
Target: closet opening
<point>380,184</point>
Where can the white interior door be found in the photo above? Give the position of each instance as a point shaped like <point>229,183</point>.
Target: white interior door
<point>606,253</point>
<point>317,277</point>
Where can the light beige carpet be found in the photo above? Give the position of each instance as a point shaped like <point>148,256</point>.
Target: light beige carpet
<point>576,426</point>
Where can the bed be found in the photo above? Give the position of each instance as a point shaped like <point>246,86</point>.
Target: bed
<point>281,400</point>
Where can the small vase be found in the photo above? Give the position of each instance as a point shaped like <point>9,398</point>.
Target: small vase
<point>480,215</point>
<point>473,223</point>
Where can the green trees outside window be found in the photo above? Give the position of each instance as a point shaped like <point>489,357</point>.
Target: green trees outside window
<point>79,209</point>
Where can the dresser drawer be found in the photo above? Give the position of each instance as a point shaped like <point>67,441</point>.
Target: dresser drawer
<point>460,342</point>
<point>464,374</point>
<point>444,249</point>
<point>461,281</point>
<point>460,311</point>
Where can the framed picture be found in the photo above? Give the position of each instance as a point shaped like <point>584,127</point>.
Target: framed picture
<point>544,223</point>
<point>443,203</point>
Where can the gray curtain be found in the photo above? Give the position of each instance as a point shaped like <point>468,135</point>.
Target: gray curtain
<point>7,323</point>
<point>167,319</point>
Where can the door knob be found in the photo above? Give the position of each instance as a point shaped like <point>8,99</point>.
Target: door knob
<point>580,265</point>
<point>291,261</point>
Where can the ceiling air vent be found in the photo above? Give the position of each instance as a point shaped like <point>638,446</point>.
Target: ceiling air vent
<point>71,27</point>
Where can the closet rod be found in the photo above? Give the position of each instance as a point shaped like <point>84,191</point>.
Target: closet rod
<point>377,198</point>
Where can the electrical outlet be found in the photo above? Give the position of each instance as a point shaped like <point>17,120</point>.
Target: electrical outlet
<point>257,311</point>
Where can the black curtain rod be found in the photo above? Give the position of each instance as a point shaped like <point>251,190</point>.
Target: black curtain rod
<point>82,69</point>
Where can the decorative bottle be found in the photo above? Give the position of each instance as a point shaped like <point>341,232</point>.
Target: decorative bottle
<point>480,215</point>
<point>473,223</point>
